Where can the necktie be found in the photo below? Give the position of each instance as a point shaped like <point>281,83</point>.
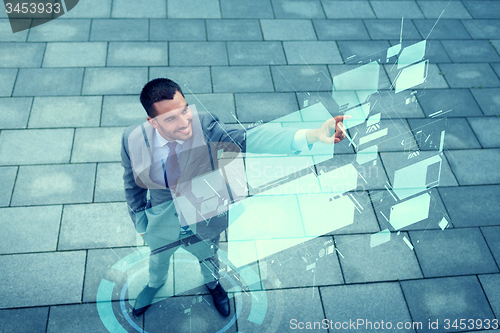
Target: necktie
<point>171,169</point>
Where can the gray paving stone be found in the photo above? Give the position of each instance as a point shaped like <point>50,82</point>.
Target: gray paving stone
<point>491,235</point>
<point>265,107</point>
<point>370,303</point>
<point>434,79</point>
<point>383,79</point>
<point>221,105</point>
<point>314,97</point>
<point>138,9</point>
<point>460,101</point>
<point>74,111</point>
<point>283,266</point>
<point>22,54</point>
<point>463,162</point>
<point>283,306</point>
<point>48,82</point>
<point>363,49</point>
<point>242,79</point>
<point>75,54</point>
<point>456,251</point>
<point>15,112</point>
<point>256,53</point>
<point>301,78</point>
<point>490,284</point>
<point>74,30</point>
<point>7,177</point>
<point>84,318</point>
<point>485,130</point>
<point>287,29</point>
<point>65,270</point>
<point>168,315</point>
<point>444,29</point>
<point>348,9</point>
<point>391,29</point>
<point>109,183</point>
<point>458,133</point>
<point>496,68</point>
<point>30,229</point>
<point>54,184</point>
<point>198,54</point>
<point>28,320</point>
<point>35,146</point>
<point>119,80</point>
<point>434,50</point>
<point>488,100</point>
<point>177,30</point>
<point>470,51</point>
<point>297,9</point>
<point>7,79</point>
<point>449,298</point>
<point>471,206</point>
<point>122,111</point>
<point>190,79</point>
<point>100,144</point>
<point>246,9</point>
<point>391,9</point>
<point>389,261</point>
<point>137,54</point>
<point>6,34</point>
<point>496,44</point>
<point>209,9</point>
<point>119,30</point>
<point>96,225</point>
<point>99,266</point>
<point>483,9</point>
<point>396,161</point>
<point>383,201</point>
<point>449,10</point>
<point>226,30</point>
<point>340,30</point>
<point>90,9</point>
<point>482,29</point>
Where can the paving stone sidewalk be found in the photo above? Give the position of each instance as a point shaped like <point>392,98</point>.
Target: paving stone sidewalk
<point>69,87</point>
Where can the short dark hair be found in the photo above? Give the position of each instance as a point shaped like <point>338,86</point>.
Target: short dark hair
<point>158,90</point>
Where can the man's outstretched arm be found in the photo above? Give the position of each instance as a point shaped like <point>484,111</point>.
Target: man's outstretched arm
<point>332,131</point>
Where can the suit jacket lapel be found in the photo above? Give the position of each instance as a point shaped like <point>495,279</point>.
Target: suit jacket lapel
<point>141,154</point>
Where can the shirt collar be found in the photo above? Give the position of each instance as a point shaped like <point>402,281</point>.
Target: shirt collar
<point>161,141</point>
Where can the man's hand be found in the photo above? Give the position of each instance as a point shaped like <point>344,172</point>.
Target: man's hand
<point>332,131</point>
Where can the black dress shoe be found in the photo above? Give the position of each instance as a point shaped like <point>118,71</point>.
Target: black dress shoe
<point>221,300</point>
<point>144,300</point>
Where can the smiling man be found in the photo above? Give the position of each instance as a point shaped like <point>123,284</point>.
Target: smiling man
<point>174,156</point>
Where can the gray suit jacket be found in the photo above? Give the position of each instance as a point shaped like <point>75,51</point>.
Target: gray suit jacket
<point>159,216</point>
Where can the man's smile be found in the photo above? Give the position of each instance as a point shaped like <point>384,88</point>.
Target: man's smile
<point>185,130</point>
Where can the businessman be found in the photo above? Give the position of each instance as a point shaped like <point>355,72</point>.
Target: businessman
<point>175,156</point>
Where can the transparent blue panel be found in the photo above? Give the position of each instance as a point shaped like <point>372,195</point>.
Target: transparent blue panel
<point>410,211</point>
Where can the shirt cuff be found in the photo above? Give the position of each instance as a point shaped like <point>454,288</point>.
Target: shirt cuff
<point>299,141</point>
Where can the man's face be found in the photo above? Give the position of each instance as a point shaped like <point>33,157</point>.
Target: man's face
<point>173,118</point>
